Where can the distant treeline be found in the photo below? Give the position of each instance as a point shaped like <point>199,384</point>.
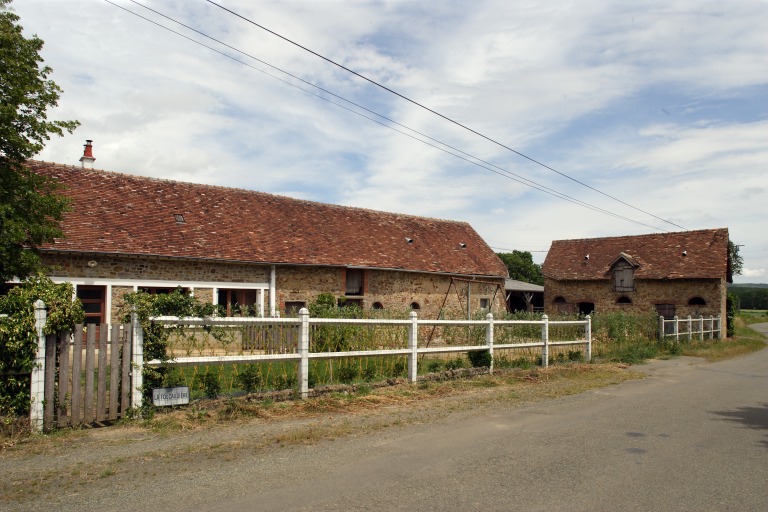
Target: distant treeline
<point>750,298</point>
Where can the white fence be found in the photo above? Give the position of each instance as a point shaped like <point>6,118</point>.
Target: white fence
<point>688,328</point>
<point>413,348</point>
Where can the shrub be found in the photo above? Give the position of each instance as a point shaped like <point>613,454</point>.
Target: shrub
<point>434,365</point>
<point>211,384</point>
<point>348,372</point>
<point>250,378</point>
<point>731,308</point>
<point>480,359</point>
<point>455,364</point>
<point>369,372</point>
<point>18,336</point>
<point>146,305</point>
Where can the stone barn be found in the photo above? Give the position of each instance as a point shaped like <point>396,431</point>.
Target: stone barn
<point>257,253</point>
<point>681,273</point>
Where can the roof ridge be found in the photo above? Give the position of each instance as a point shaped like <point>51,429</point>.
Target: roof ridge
<point>142,177</point>
<point>667,233</point>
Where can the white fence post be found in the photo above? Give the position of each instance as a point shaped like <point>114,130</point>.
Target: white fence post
<point>37,385</point>
<point>690,328</point>
<point>719,327</point>
<point>304,353</point>
<point>676,330</point>
<point>137,362</point>
<point>489,339</point>
<point>545,340</point>
<point>661,328</point>
<point>701,325</point>
<point>588,355</point>
<point>413,343</point>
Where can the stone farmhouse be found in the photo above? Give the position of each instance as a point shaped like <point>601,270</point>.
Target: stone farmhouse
<point>682,273</point>
<point>270,253</point>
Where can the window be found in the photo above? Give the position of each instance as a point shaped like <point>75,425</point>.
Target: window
<point>415,306</point>
<point>292,308</point>
<point>668,312</point>
<point>93,299</point>
<point>378,305</point>
<point>559,300</point>
<point>697,301</point>
<point>485,303</point>
<point>624,300</point>
<point>586,308</point>
<point>354,284</point>
<point>237,302</point>
<point>623,276</point>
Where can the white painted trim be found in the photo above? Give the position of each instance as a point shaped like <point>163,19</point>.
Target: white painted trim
<point>152,283</point>
<point>108,306</point>
<point>272,291</point>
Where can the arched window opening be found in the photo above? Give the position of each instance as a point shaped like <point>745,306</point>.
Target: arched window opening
<point>697,301</point>
<point>378,305</point>
<point>623,300</point>
<point>415,306</point>
<point>559,300</point>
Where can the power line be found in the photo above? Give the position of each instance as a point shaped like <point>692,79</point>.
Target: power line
<point>449,119</point>
<point>467,156</point>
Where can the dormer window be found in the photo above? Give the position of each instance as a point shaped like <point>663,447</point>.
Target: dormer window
<point>623,276</point>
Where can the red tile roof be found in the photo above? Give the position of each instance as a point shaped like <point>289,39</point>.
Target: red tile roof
<point>656,256</point>
<point>126,214</point>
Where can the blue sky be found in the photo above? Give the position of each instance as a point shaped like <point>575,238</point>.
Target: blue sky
<point>662,105</point>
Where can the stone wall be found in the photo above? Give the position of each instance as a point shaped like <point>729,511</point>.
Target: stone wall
<point>647,294</point>
<point>117,267</point>
<point>387,289</point>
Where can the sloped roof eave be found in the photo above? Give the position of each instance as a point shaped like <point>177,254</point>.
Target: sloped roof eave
<point>265,263</point>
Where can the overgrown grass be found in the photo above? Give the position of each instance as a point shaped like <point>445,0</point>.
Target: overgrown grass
<point>753,316</point>
<point>505,385</point>
<point>744,341</point>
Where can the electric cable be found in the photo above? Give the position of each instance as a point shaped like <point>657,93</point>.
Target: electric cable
<point>449,119</point>
<point>467,156</point>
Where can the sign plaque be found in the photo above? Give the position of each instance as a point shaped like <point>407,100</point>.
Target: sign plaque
<point>170,396</point>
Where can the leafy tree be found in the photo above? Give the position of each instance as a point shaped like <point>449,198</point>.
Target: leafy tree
<point>30,206</point>
<point>522,267</point>
<point>735,261</point>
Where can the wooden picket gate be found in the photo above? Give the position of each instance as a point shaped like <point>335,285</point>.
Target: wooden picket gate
<point>87,375</point>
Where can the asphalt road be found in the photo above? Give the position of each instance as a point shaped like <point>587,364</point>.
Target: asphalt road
<point>691,437</point>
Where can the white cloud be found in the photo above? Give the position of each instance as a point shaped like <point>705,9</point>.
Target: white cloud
<point>660,105</point>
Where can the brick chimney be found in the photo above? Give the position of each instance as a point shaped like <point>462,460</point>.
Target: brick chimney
<point>87,159</point>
